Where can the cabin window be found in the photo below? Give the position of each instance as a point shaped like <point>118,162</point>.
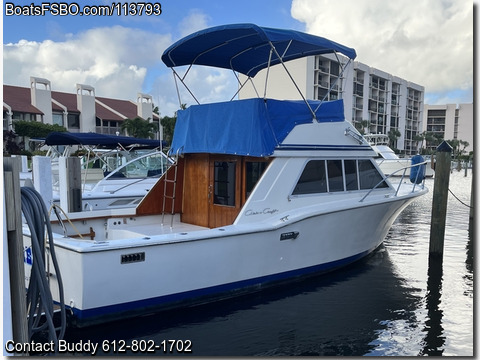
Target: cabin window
<point>313,179</point>
<point>340,175</point>
<point>369,175</point>
<point>224,183</point>
<point>351,178</point>
<point>335,175</point>
<point>254,170</point>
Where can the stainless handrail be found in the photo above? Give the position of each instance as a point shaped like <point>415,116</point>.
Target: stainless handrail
<point>404,169</point>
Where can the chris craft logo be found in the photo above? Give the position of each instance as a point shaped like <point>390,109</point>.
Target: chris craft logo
<point>73,8</point>
<point>269,211</point>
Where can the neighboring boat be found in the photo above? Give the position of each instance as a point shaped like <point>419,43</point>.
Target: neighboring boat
<point>388,161</point>
<point>263,191</point>
<point>117,171</point>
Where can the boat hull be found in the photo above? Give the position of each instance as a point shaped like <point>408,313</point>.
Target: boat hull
<point>215,263</point>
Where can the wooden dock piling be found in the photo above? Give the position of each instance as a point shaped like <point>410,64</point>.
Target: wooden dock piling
<point>440,197</point>
<point>471,214</point>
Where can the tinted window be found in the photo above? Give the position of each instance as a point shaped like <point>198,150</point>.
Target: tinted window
<point>254,170</point>
<point>335,175</point>
<point>369,176</point>
<point>313,179</point>
<point>351,179</point>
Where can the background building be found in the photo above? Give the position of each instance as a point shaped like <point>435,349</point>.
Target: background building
<point>375,102</point>
<point>450,122</point>
<point>80,112</point>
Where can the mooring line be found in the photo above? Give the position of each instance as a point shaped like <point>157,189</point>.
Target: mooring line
<point>471,207</point>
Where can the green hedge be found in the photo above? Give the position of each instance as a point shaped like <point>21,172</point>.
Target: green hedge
<point>34,129</point>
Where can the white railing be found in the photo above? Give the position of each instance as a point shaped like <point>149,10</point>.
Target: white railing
<point>403,170</point>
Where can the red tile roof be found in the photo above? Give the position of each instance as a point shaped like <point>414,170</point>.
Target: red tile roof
<point>124,107</point>
<point>104,113</point>
<point>19,99</point>
<point>67,100</point>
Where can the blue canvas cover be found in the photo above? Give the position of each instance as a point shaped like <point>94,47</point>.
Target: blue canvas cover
<point>251,127</point>
<point>245,48</point>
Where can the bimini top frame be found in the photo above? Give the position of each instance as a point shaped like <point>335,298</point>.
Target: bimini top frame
<point>247,49</point>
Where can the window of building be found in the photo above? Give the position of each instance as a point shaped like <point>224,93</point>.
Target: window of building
<point>73,121</point>
<point>57,118</point>
<point>110,127</point>
<point>224,183</point>
<point>23,116</point>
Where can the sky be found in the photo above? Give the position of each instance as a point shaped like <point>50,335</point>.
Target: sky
<point>427,42</point>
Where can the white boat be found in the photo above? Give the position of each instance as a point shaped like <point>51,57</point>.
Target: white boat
<point>264,191</point>
<point>388,161</point>
<point>117,171</point>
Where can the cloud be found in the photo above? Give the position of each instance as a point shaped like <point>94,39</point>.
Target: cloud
<point>195,21</point>
<point>114,60</point>
<point>117,61</point>
<point>429,42</point>
<point>207,85</point>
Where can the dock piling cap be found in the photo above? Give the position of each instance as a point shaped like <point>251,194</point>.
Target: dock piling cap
<point>444,147</point>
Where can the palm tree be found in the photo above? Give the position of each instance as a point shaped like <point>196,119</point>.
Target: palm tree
<point>139,128</point>
<point>168,124</point>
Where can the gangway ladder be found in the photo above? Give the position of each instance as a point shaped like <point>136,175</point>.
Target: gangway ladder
<point>174,188</point>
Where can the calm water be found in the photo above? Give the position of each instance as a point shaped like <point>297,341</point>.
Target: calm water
<point>387,304</point>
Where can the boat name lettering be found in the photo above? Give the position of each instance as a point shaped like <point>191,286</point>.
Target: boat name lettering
<point>261,212</point>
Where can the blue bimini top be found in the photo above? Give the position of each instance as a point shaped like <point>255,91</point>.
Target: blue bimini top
<point>250,127</point>
<point>246,48</point>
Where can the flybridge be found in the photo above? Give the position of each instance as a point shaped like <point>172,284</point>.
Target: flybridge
<point>247,49</point>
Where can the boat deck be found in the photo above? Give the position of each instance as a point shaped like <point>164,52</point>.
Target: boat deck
<point>152,226</point>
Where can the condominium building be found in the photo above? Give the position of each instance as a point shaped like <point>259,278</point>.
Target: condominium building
<point>82,111</point>
<point>449,122</point>
<point>375,102</point>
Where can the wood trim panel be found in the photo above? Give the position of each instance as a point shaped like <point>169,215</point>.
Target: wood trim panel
<point>195,189</point>
<point>152,203</point>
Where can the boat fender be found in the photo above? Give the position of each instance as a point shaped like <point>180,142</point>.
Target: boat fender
<point>417,173</point>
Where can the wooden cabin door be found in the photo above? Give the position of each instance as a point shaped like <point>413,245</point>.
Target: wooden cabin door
<point>224,190</point>
<point>215,187</point>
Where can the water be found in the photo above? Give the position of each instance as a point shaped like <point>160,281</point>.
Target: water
<point>387,304</point>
